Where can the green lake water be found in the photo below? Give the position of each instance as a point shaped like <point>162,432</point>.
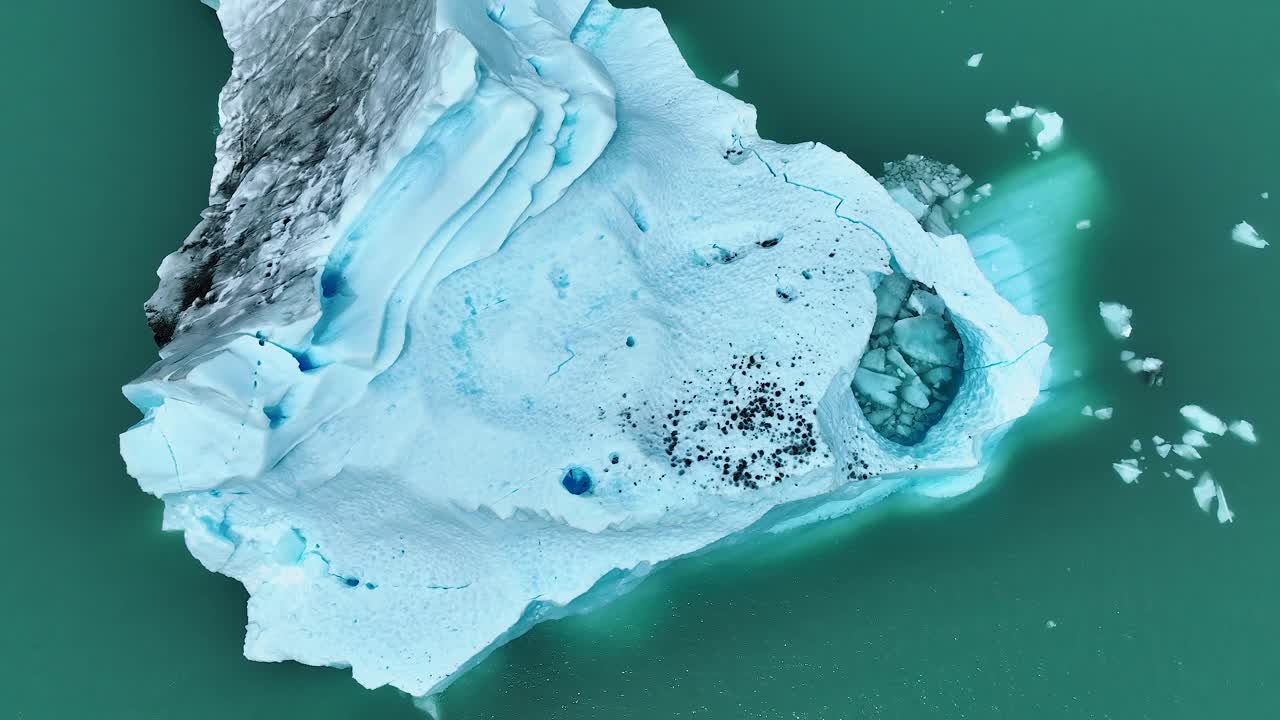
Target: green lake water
<point>911,610</point>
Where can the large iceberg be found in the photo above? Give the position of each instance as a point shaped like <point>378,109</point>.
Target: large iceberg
<point>496,307</point>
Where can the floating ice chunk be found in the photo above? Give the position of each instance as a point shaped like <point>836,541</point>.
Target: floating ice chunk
<point>1203,420</point>
<point>927,338</point>
<point>1084,224</point>
<point>908,201</point>
<point>1205,490</point>
<point>998,120</point>
<point>891,294</point>
<point>1035,154</point>
<point>879,387</point>
<point>1050,624</point>
<point>1087,411</point>
<point>873,360</point>
<point>1162,449</point>
<point>1246,235</point>
<point>1127,470</point>
<point>915,393</point>
<point>1118,319</point>
<point>1195,439</point>
<point>1021,112</point>
<point>1266,196</point>
<point>1184,474</point>
<point>1142,365</point>
<point>1103,413</point>
<point>1224,513</point>
<point>1136,445</point>
<point>1243,429</point>
<point>1186,451</point>
<point>730,80</point>
<point>974,60</point>
<point>1156,439</point>
<point>984,190</point>
<point>1048,129</point>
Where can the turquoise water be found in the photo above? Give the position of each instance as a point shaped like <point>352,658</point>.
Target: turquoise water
<point>913,610</point>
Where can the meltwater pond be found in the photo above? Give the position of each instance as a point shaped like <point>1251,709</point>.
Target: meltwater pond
<point>1052,591</point>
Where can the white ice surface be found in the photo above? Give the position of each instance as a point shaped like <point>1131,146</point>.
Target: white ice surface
<point>1203,420</point>
<point>569,240</point>
<point>1117,318</point>
<point>1245,234</point>
<point>974,60</point>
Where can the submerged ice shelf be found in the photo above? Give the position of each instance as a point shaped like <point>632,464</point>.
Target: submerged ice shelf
<point>496,307</point>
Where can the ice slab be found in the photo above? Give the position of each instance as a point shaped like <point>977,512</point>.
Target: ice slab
<point>1243,429</point>
<point>974,60</point>
<point>731,80</point>
<point>1117,318</point>
<point>1245,234</point>
<point>1203,420</point>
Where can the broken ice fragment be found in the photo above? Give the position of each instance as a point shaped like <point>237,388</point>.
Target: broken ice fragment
<point>730,80</point>
<point>1246,235</point>
<point>1195,439</point>
<point>1163,450</point>
<point>1184,474</point>
<point>1136,446</point>
<point>1048,129</point>
<point>1224,513</point>
<point>1103,413</point>
<point>1127,470</point>
<point>1117,318</point>
<point>1186,452</point>
<point>927,338</point>
<point>998,120</point>
<point>1021,112</point>
<point>1156,439</point>
<point>974,60</point>
<point>1087,411</point>
<point>1243,429</point>
<point>1084,224</point>
<point>1205,490</point>
<point>879,387</point>
<point>874,360</point>
<point>1203,420</point>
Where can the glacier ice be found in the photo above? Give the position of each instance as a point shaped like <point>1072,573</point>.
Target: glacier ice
<point>496,308</point>
<point>974,60</point>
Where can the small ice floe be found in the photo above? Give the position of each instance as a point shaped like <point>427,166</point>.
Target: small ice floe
<point>1203,420</point>
<point>1162,449</point>
<point>1195,439</point>
<point>1136,445</point>
<point>1224,513</point>
<point>1118,319</point>
<point>1084,224</point>
<point>1103,413</point>
<point>997,119</point>
<point>1128,470</point>
<point>1050,624</point>
<point>1243,429</point>
<point>974,60</point>
<point>1021,112</point>
<point>1184,474</point>
<point>1266,196</point>
<point>730,80</point>
<point>1048,129</point>
<point>1157,440</point>
<point>1035,154</point>
<point>1186,452</point>
<point>1246,235</point>
<point>1205,491</point>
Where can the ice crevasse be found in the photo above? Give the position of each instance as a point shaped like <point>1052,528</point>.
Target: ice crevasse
<point>496,307</point>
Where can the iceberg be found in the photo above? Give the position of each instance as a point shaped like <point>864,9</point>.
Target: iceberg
<point>497,307</point>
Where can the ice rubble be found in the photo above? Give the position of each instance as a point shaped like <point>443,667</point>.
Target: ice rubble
<point>410,446</point>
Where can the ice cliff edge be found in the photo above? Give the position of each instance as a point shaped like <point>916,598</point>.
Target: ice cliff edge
<point>495,300</point>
